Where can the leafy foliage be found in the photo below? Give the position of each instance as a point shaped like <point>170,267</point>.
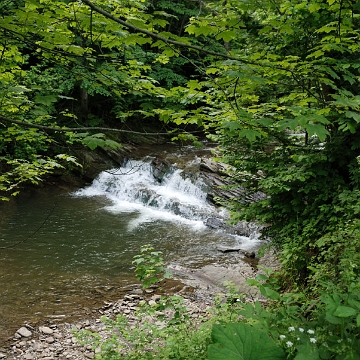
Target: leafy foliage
<point>149,266</point>
<point>241,341</point>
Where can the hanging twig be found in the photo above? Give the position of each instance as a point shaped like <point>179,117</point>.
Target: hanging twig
<point>31,235</point>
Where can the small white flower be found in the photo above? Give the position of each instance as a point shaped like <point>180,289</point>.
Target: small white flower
<point>298,339</point>
<point>301,329</point>
<point>238,300</point>
<point>291,328</point>
<point>313,340</point>
<point>289,344</point>
<point>311,332</point>
<point>282,337</point>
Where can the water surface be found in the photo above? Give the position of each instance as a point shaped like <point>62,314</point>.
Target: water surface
<point>64,251</point>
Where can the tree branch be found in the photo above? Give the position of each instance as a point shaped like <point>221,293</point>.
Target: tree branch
<point>159,37</point>
<point>170,42</point>
<point>97,128</point>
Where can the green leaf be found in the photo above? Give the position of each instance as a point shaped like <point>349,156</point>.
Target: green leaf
<point>305,353</point>
<point>345,311</point>
<point>252,282</point>
<point>317,129</point>
<point>239,341</point>
<point>227,35</point>
<point>45,99</point>
<point>133,39</point>
<point>353,115</point>
<point>262,277</point>
<point>354,303</point>
<point>332,319</point>
<point>251,135</point>
<point>269,293</point>
<point>231,125</point>
<point>112,144</point>
<point>313,7</point>
<point>93,142</point>
<point>199,30</point>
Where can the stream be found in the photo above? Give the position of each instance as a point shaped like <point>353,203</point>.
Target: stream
<point>63,252</point>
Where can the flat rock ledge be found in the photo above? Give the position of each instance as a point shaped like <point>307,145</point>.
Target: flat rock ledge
<point>198,288</point>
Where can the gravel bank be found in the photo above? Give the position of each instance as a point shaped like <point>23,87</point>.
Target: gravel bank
<point>50,341</point>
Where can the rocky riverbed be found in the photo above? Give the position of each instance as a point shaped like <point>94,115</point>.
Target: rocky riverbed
<point>50,340</point>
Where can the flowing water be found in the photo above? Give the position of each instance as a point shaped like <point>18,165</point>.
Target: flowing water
<point>61,252</point>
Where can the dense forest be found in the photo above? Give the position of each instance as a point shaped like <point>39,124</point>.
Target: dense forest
<point>275,83</point>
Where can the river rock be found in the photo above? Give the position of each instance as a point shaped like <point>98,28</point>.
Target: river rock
<point>160,169</point>
<point>23,331</point>
<point>50,340</point>
<point>209,165</point>
<point>214,223</point>
<point>46,330</point>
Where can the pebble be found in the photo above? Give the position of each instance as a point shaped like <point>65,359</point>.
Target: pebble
<point>46,330</point>
<point>50,340</point>
<point>23,331</point>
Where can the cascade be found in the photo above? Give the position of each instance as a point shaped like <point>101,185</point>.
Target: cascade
<point>134,188</point>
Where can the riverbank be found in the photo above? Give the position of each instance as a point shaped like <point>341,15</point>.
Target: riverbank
<point>52,340</point>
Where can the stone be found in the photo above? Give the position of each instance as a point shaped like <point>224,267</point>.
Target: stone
<point>248,254</point>
<point>23,331</point>
<point>209,165</point>
<point>156,297</point>
<point>50,340</point>
<point>214,223</point>
<point>2,356</point>
<point>46,330</point>
<point>137,291</point>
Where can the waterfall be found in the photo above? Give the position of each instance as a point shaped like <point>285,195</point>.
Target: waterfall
<point>134,188</point>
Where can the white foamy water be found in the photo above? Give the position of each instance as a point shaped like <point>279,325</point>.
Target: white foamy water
<point>177,199</point>
<point>133,188</point>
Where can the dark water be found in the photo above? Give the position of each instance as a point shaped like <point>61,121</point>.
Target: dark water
<point>60,253</point>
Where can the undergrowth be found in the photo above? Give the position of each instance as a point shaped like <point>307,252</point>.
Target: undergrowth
<point>320,321</point>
